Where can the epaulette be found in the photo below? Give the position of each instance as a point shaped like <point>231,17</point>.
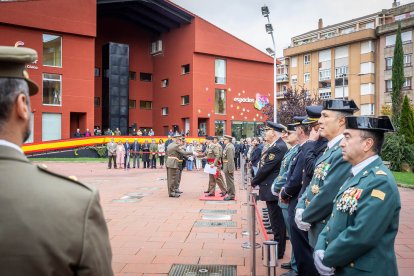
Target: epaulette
<point>72,178</point>
<point>378,171</point>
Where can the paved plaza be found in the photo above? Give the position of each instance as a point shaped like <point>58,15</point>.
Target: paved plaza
<point>150,231</point>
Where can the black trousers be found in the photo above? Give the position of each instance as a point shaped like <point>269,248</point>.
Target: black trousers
<point>301,249</point>
<point>278,226</point>
<point>162,160</point>
<point>153,162</point>
<point>113,157</point>
<point>145,160</point>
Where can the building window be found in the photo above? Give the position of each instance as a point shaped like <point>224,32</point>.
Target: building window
<point>324,74</point>
<point>294,62</point>
<point>185,100</point>
<point>406,37</point>
<point>294,79</point>
<point>306,77</point>
<point>145,105</point>
<point>307,59</point>
<point>367,47</point>
<point>220,101</point>
<point>97,72</point>
<point>164,111</point>
<point>367,68</point>
<point>156,47</point>
<point>97,102</point>
<point>132,104</point>
<point>220,69</point>
<point>367,89</point>
<point>324,94</point>
<point>388,85</point>
<point>367,109</point>
<point>407,84</point>
<point>145,76</point>
<point>388,63</point>
<point>407,60</point>
<point>219,128</point>
<point>132,75</point>
<point>185,69</point>
<point>348,30</point>
<point>164,83</point>
<point>341,71</point>
<point>52,89</point>
<point>51,126</point>
<point>52,50</point>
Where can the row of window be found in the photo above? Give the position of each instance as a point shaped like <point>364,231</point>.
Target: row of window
<point>406,85</point>
<point>407,61</point>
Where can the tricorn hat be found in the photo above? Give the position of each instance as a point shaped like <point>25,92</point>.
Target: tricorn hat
<point>369,123</point>
<point>340,105</point>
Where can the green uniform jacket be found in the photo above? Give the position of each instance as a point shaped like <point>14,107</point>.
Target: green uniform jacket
<point>331,171</point>
<point>361,241</point>
<point>153,151</point>
<point>213,151</point>
<point>173,153</point>
<point>280,181</point>
<point>228,157</point>
<point>51,225</point>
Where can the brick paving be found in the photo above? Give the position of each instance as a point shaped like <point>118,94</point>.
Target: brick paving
<point>151,234</point>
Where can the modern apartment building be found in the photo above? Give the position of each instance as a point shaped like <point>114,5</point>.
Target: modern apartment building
<point>353,59</point>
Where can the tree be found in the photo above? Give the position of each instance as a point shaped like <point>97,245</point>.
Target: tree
<point>294,103</point>
<point>398,78</point>
<point>407,121</point>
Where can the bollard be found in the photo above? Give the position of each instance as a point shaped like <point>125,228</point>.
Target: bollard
<point>252,236</point>
<point>269,256</point>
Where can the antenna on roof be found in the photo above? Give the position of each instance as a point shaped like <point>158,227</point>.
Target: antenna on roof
<point>395,4</point>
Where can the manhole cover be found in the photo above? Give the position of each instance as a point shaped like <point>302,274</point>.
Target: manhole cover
<point>202,270</point>
<point>216,217</point>
<point>221,202</point>
<point>206,211</point>
<point>127,200</point>
<point>215,224</point>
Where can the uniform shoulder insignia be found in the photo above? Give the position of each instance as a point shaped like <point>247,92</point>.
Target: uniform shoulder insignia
<point>378,194</point>
<point>271,156</point>
<point>380,172</point>
<point>71,178</point>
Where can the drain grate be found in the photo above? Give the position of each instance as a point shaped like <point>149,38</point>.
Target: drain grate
<point>216,217</point>
<point>215,224</point>
<point>202,270</point>
<point>228,212</point>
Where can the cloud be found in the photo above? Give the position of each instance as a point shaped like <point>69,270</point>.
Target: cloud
<point>243,18</point>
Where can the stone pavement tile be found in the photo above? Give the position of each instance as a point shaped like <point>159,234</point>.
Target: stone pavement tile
<point>176,260</point>
<point>222,260</point>
<point>117,267</point>
<point>405,271</point>
<point>129,274</point>
<point>405,263</point>
<point>406,254</point>
<point>181,245</point>
<point>200,252</point>
<point>147,268</point>
<point>124,250</point>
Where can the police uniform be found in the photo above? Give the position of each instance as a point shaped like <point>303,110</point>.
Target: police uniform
<point>229,167</point>
<point>359,238</point>
<point>213,158</point>
<point>172,163</point>
<point>269,169</point>
<point>331,171</point>
<point>52,224</point>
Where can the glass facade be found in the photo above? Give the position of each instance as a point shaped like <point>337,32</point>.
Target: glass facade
<point>241,129</point>
<point>220,71</point>
<point>52,89</point>
<point>219,128</point>
<point>220,101</point>
<point>52,50</point>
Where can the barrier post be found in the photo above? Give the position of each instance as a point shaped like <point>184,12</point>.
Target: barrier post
<point>269,255</point>
<point>252,235</point>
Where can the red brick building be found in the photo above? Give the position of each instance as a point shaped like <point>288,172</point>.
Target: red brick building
<point>145,64</point>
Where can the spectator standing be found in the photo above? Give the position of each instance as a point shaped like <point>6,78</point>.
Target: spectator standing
<point>190,159</point>
<point>88,133</point>
<point>170,133</point>
<point>117,132</point>
<point>98,131</point>
<point>203,151</point>
<point>139,132</point>
<point>145,133</point>
<point>109,132</point>
<point>127,154</point>
<point>77,133</point>
<point>257,148</point>
<point>199,152</point>
<point>134,132</point>
<point>151,132</point>
<point>145,148</point>
<point>120,154</point>
<point>153,155</point>
<point>135,150</point>
<point>169,141</point>
<point>161,152</point>
<point>111,147</point>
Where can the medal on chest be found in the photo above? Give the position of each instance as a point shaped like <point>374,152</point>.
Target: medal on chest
<point>349,200</point>
<point>322,170</point>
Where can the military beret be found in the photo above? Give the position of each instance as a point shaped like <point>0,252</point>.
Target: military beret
<point>369,123</point>
<point>275,126</point>
<point>228,137</point>
<point>314,113</point>
<point>209,138</point>
<point>13,62</point>
<point>348,106</point>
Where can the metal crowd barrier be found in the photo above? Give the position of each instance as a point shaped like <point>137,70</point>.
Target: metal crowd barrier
<point>269,248</point>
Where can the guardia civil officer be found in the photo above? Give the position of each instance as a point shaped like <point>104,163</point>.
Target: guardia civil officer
<point>51,225</point>
<point>315,206</point>
<point>173,153</point>
<point>269,169</point>
<point>359,238</point>
<point>229,166</point>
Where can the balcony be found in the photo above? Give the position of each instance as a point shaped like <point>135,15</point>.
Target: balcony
<point>280,95</point>
<point>282,78</point>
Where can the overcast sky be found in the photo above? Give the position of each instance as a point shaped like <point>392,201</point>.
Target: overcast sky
<point>243,18</point>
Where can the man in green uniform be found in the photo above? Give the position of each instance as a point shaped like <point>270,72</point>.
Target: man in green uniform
<point>359,237</point>
<point>181,162</point>
<point>52,224</point>
<point>173,152</point>
<point>213,154</point>
<point>229,166</point>
<point>314,207</point>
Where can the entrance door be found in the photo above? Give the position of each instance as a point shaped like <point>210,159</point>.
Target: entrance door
<point>77,120</point>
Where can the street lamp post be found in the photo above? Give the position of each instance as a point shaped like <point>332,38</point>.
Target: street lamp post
<point>272,52</point>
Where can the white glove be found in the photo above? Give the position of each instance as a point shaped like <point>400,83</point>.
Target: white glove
<point>304,226</point>
<point>273,189</point>
<point>318,256</point>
